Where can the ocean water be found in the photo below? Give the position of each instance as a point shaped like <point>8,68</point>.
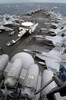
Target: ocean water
<point>21,8</point>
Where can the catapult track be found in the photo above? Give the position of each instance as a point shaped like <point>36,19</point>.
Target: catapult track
<point>21,46</point>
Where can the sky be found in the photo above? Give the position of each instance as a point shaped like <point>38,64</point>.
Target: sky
<point>19,1</point>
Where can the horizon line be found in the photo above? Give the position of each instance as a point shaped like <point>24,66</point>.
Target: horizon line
<point>30,2</point>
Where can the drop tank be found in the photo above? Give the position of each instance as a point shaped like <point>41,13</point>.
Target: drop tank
<point>14,73</point>
<point>30,83</point>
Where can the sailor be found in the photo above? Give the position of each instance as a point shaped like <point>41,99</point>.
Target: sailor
<point>39,30</point>
<point>1,49</point>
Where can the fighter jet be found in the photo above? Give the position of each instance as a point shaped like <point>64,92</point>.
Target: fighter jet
<point>58,30</point>
<point>10,20</point>
<point>55,41</point>
<point>53,15</point>
<point>53,59</point>
<point>61,24</point>
<point>54,25</point>
<point>3,28</point>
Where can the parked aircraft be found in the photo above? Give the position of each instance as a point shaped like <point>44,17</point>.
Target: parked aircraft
<point>50,40</point>
<point>10,20</point>
<point>27,27</point>
<point>53,59</point>
<point>3,28</point>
